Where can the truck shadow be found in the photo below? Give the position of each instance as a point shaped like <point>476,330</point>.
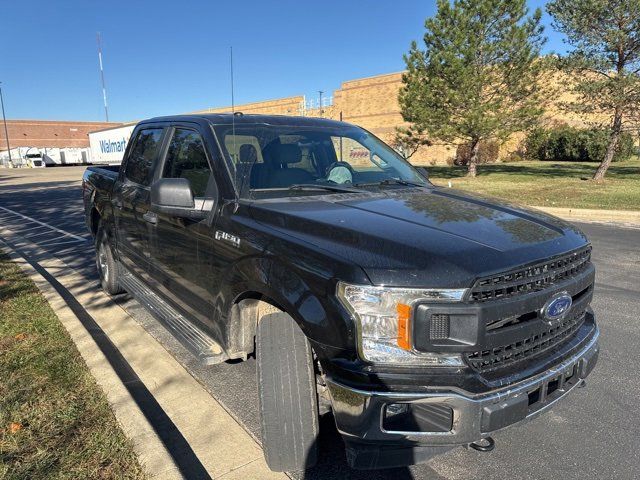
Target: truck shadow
<point>332,462</point>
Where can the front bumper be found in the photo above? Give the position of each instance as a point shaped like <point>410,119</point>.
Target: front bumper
<point>360,414</point>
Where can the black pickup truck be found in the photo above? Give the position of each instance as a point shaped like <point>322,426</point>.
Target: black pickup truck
<point>421,317</point>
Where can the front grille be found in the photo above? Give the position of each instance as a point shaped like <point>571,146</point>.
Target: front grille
<point>532,278</point>
<point>504,355</point>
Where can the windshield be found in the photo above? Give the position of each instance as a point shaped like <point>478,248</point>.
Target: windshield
<point>275,160</point>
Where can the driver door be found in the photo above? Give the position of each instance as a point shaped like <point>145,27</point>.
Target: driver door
<point>179,245</point>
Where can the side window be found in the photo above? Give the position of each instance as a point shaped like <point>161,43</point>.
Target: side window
<point>186,158</point>
<point>143,154</point>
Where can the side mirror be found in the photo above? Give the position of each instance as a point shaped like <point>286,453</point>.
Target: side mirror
<point>173,196</point>
<point>423,171</point>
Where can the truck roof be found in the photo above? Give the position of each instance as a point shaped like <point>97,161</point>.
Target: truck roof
<point>241,118</point>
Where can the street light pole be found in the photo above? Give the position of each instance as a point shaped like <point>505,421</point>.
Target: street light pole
<point>320,101</point>
<point>4,119</point>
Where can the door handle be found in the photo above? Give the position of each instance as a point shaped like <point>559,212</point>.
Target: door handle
<point>150,217</point>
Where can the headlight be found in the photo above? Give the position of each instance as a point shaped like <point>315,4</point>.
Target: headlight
<point>383,315</point>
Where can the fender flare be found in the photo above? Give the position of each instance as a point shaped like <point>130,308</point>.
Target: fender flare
<point>267,279</point>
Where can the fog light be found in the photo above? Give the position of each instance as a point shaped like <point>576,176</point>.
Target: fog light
<point>396,409</point>
<point>417,417</point>
<point>439,327</point>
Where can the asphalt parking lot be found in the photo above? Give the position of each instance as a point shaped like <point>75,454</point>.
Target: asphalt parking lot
<point>592,434</point>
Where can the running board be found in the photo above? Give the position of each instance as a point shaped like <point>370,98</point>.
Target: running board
<point>205,348</point>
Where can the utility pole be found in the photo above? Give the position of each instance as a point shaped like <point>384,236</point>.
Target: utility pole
<point>320,101</point>
<point>104,89</point>
<point>6,131</point>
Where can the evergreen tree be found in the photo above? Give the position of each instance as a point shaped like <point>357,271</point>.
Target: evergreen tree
<point>477,77</point>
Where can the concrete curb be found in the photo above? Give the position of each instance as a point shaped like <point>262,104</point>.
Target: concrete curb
<point>217,444</point>
<point>627,217</point>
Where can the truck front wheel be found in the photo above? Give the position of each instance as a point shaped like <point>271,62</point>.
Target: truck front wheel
<point>106,264</point>
<point>287,394</point>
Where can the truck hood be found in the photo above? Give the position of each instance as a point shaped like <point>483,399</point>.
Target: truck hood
<point>421,237</point>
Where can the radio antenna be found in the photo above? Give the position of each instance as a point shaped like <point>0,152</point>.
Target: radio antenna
<point>233,123</point>
<point>233,105</point>
<point>104,89</point>
<point>232,99</point>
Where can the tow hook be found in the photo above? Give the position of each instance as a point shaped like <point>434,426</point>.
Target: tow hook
<point>483,445</point>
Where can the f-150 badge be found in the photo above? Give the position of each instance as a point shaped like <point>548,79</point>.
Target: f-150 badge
<point>227,237</point>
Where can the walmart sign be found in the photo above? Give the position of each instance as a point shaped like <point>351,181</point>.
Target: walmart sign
<point>108,146</point>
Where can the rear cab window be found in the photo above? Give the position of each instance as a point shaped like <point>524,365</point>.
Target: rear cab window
<point>243,148</point>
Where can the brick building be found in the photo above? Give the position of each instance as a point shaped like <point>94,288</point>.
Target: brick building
<point>49,133</point>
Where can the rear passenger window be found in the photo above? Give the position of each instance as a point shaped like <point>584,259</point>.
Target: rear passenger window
<point>186,158</point>
<point>143,154</point>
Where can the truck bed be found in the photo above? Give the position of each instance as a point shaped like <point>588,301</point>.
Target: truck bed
<point>106,170</point>
<point>97,183</point>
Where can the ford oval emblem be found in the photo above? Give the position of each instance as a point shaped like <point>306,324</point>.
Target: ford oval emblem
<point>557,306</point>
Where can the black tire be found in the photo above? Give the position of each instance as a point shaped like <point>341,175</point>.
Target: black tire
<point>287,394</point>
<point>106,264</point>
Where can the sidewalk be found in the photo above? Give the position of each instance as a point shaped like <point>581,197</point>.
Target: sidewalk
<point>177,428</point>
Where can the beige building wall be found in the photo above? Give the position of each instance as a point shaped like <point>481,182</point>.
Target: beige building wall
<point>372,103</point>
<point>280,106</point>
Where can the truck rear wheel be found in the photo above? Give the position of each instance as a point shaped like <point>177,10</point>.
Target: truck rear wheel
<point>106,264</point>
<point>287,394</point>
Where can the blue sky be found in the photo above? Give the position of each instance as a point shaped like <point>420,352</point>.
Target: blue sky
<point>171,57</point>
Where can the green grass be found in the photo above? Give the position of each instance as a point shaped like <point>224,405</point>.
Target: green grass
<point>550,184</point>
<point>55,422</point>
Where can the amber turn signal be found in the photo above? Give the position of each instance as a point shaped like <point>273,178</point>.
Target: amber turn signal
<point>404,317</point>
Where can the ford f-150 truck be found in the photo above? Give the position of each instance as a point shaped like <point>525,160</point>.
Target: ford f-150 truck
<point>421,317</point>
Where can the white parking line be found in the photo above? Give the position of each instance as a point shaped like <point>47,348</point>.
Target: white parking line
<point>39,234</point>
<point>61,242</point>
<point>37,227</point>
<point>77,237</point>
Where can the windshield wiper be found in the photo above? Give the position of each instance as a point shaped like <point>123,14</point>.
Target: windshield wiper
<point>331,188</point>
<point>391,181</point>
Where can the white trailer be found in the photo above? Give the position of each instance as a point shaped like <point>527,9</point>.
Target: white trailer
<point>45,156</point>
<point>107,146</point>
